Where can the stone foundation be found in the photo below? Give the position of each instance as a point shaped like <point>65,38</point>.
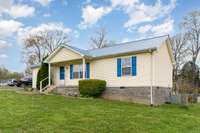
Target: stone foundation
<point>67,90</point>
<point>161,95</point>
<point>129,94</point>
<point>138,94</point>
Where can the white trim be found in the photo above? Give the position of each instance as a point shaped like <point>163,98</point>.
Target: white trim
<point>49,74</point>
<point>80,64</point>
<point>130,57</point>
<point>170,51</point>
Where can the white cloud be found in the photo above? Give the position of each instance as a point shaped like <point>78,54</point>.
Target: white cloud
<point>165,28</point>
<point>8,27</point>
<point>124,3</point>
<point>91,15</point>
<point>144,29</point>
<point>44,2</point>
<point>24,32</point>
<point>15,10</point>
<point>5,5</point>
<point>138,12</point>
<point>3,56</point>
<point>141,13</point>
<point>4,44</point>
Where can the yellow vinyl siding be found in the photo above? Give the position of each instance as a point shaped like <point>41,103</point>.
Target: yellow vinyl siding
<point>163,67</point>
<point>106,69</point>
<point>64,55</point>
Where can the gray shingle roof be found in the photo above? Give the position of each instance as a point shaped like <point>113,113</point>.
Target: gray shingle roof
<point>133,46</point>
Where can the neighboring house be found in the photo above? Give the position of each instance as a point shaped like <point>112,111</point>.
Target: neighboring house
<point>137,71</point>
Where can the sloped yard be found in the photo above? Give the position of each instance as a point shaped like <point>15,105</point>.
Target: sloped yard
<point>36,113</point>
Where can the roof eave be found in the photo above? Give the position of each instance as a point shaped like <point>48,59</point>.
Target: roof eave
<point>149,50</point>
<point>35,66</point>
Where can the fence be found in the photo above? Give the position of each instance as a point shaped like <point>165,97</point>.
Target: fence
<point>183,98</point>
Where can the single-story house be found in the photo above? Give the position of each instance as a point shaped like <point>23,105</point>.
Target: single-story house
<point>137,71</point>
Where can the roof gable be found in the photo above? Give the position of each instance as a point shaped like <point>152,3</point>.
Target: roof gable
<point>63,54</point>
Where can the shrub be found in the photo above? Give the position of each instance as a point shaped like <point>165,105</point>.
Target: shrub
<point>92,87</point>
<point>42,73</point>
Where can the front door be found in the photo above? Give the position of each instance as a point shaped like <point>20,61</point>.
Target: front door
<point>62,76</point>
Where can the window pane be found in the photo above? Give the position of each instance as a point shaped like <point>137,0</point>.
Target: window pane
<point>126,62</point>
<point>126,71</point>
<point>78,71</point>
<point>76,68</point>
<point>76,75</point>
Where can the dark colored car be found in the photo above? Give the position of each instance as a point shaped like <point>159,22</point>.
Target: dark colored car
<point>12,82</point>
<point>24,82</point>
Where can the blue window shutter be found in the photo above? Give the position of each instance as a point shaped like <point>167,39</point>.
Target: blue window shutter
<point>87,70</point>
<point>119,67</point>
<point>71,71</point>
<point>134,66</point>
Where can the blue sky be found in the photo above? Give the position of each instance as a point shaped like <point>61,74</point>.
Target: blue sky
<point>125,20</point>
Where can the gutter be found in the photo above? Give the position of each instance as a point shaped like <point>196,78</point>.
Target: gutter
<point>124,53</point>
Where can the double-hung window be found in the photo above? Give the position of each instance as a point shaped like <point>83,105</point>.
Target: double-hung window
<point>126,66</point>
<point>78,71</point>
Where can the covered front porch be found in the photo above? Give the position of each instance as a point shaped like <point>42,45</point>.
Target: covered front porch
<point>67,66</point>
<point>68,73</point>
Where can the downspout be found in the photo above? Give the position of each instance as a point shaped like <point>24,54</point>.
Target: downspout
<point>151,78</point>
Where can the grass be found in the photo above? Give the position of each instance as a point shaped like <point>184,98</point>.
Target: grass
<point>54,113</point>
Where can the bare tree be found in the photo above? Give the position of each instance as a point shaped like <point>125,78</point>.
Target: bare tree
<point>180,52</point>
<point>99,40</point>
<point>33,49</point>
<point>52,39</point>
<point>39,45</point>
<point>191,25</point>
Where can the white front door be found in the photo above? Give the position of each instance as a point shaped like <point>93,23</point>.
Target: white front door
<point>62,76</point>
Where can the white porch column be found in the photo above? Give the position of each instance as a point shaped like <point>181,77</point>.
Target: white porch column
<point>49,74</point>
<point>83,68</point>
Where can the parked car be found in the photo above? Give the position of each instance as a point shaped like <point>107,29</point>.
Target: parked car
<point>24,82</point>
<point>12,82</point>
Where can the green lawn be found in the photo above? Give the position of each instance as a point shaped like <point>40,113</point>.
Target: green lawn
<point>53,113</point>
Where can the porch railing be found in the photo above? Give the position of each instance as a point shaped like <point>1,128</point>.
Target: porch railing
<point>41,85</point>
